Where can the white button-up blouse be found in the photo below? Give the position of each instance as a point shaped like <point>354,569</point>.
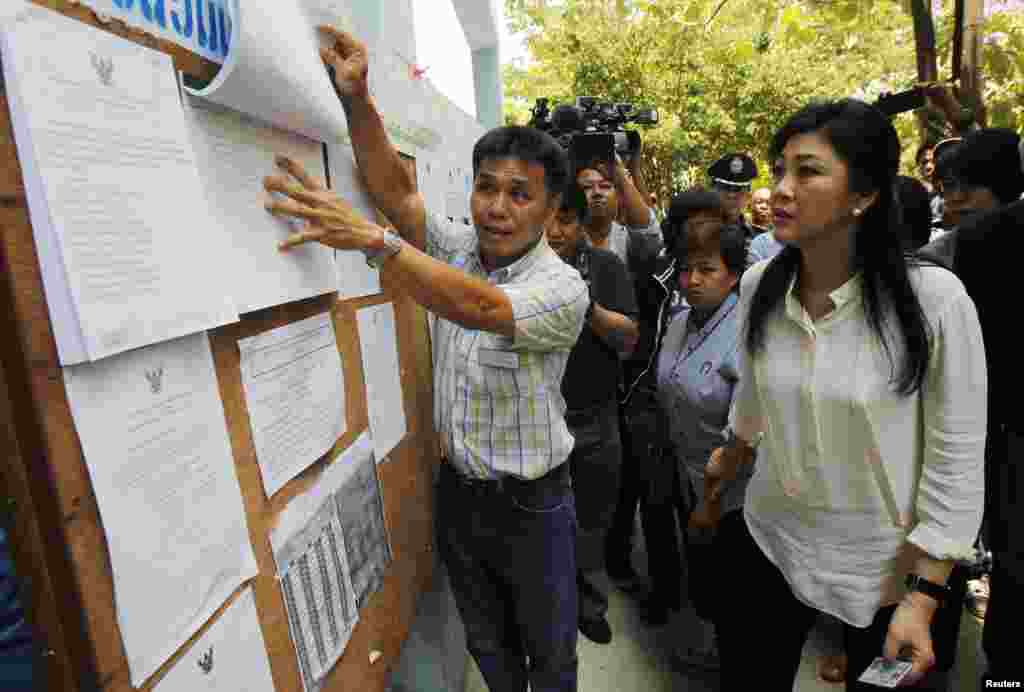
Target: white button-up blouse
<point>849,472</point>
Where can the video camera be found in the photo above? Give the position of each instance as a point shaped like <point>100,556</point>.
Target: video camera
<point>901,102</point>
<point>591,129</point>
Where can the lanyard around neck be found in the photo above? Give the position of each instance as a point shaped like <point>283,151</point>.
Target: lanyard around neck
<point>689,351</point>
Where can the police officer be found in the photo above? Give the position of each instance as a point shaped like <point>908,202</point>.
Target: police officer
<point>731,176</point>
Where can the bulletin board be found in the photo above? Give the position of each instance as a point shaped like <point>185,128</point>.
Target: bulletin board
<point>59,542</point>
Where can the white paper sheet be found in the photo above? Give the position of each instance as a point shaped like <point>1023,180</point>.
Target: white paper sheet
<point>156,444</point>
<point>231,656</point>
<point>352,481</point>
<point>355,277</point>
<point>295,391</point>
<point>274,71</point>
<point>379,345</point>
<point>314,574</point>
<point>126,247</point>
<point>235,153</point>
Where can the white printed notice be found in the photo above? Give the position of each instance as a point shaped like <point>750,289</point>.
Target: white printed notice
<point>230,656</point>
<point>235,153</point>
<point>295,391</point>
<point>152,428</point>
<point>313,570</point>
<point>379,347</point>
<point>128,253</point>
<point>355,277</point>
<point>352,480</point>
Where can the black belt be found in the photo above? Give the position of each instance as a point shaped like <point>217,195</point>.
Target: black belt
<point>558,476</point>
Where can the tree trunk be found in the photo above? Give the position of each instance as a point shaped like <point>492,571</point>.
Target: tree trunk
<point>927,62</point>
<point>970,72</point>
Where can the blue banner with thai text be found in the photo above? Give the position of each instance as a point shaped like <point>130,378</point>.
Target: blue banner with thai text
<point>201,26</point>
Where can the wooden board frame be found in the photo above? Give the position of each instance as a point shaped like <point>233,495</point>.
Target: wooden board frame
<point>58,540</point>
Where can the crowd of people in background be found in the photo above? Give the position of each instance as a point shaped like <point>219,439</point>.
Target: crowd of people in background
<point>803,391</point>
<point>809,408</point>
<point>877,438</point>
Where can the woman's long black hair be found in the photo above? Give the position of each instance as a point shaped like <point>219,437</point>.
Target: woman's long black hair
<point>867,142</point>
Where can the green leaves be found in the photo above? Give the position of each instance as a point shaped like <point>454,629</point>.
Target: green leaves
<point>731,86</point>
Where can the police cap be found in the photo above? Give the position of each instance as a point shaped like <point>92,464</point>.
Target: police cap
<point>733,172</point>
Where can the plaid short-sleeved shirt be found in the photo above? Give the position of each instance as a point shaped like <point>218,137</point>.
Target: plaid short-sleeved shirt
<point>498,404</point>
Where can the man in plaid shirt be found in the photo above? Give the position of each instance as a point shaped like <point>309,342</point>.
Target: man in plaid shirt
<point>509,313</point>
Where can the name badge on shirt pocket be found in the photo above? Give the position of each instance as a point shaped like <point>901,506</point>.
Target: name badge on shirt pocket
<point>496,358</point>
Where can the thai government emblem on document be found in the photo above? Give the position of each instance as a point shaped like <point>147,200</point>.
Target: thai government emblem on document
<point>104,67</point>
<point>205,661</point>
<point>155,377</point>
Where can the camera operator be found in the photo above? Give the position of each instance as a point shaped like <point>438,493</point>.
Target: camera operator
<point>590,388</point>
<point>609,193</point>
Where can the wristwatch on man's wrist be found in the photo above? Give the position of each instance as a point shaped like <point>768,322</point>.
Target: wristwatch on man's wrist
<point>939,592</point>
<point>392,246</point>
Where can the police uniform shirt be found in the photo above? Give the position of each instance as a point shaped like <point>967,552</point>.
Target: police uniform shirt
<point>764,246</point>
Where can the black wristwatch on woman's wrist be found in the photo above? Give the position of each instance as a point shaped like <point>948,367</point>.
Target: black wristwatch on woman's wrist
<point>939,592</point>
<point>731,439</point>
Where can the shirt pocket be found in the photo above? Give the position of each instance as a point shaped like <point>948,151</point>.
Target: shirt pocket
<point>495,366</point>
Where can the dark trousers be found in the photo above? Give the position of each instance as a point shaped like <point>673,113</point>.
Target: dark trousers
<point>642,431</point>
<point>595,463</point>
<point>510,553</point>
<point>666,512</point>
<point>764,621</point>
<point>1004,508</point>
<point>1001,636</point>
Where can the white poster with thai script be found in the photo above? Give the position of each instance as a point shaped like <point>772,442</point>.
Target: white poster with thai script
<point>295,391</point>
<point>155,441</point>
<point>231,656</point>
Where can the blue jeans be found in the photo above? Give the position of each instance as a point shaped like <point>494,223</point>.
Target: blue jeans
<point>510,554</point>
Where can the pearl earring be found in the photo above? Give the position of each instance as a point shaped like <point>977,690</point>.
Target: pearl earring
<point>856,212</point>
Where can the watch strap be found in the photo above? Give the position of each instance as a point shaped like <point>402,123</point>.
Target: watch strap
<point>731,439</point>
<point>392,246</point>
<point>916,582</point>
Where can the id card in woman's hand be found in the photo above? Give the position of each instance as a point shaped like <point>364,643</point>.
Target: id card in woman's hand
<point>885,672</point>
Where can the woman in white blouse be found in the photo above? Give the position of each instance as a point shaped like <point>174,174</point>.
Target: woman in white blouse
<point>864,393</point>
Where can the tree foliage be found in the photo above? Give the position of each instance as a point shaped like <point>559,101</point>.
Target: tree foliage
<point>724,74</point>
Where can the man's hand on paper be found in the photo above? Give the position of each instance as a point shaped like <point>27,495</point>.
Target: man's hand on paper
<point>332,220</point>
<point>348,61</point>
